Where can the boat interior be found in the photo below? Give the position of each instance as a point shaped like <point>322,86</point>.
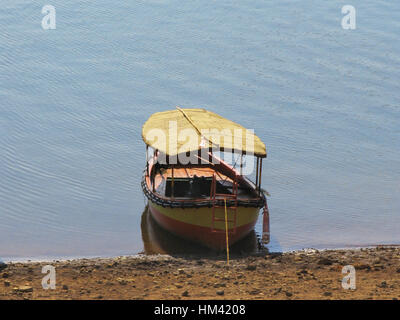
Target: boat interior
<point>196,182</point>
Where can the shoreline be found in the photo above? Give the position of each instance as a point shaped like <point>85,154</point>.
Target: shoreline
<point>304,274</point>
<point>40,259</point>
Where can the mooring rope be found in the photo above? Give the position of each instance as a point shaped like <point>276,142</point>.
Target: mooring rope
<point>226,233</point>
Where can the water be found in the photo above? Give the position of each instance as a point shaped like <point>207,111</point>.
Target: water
<point>72,102</point>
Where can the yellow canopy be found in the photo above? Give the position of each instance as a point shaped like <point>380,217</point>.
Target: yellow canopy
<point>183,130</point>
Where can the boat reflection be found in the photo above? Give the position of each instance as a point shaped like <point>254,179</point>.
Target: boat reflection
<point>156,240</point>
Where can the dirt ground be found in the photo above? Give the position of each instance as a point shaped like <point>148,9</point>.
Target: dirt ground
<point>308,274</point>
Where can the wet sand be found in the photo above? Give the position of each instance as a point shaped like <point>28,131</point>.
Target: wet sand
<point>308,274</point>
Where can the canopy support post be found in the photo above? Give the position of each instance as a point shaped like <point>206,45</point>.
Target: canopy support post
<point>258,160</point>
<point>259,180</point>
<point>147,160</point>
<point>172,182</point>
<point>241,164</point>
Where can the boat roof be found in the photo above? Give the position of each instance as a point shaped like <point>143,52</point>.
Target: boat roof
<point>184,130</point>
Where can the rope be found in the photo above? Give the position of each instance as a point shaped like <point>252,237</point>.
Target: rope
<point>194,126</point>
<point>234,166</point>
<point>226,233</point>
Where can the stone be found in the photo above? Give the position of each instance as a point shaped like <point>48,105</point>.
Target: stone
<point>23,289</point>
<point>325,262</point>
<point>378,267</point>
<point>185,293</point>
<point>220,292</point>
<point>277,291</point>
<point>362,266</point>
<point>254,292</point>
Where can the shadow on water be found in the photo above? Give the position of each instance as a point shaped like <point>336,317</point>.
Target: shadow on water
<point>156,240</point>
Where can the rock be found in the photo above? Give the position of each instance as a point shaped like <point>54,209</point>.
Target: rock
<point>23,289</point>
<point>254,292</point>
<point>6,275</point>
<point>325,262</point>
<point>185,294</point>
<point>327,294</point>
<point>383,284</point>
<point>398,270</point>
<point>378,267</point>
<point>277,291</point>
<point>7,283</point>
<point>310,251</point>
<point>251,267</point>
<point>65,287</point>
<point>220,292</point>
<point>362,266</point>
<point>181,271</point>
<point>288,294</point>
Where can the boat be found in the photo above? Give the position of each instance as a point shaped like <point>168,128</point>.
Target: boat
<point>157,240</point>
<point>192,192</point>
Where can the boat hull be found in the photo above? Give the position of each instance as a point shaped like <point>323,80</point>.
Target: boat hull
<point>196,224</point>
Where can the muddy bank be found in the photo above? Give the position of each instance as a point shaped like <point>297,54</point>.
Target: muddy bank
<point>306,274</point>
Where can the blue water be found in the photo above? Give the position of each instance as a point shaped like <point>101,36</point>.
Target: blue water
<point>326,101</point>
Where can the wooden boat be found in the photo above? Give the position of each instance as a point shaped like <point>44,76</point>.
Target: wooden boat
<point>157,240</point>
<point>207,201</point>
